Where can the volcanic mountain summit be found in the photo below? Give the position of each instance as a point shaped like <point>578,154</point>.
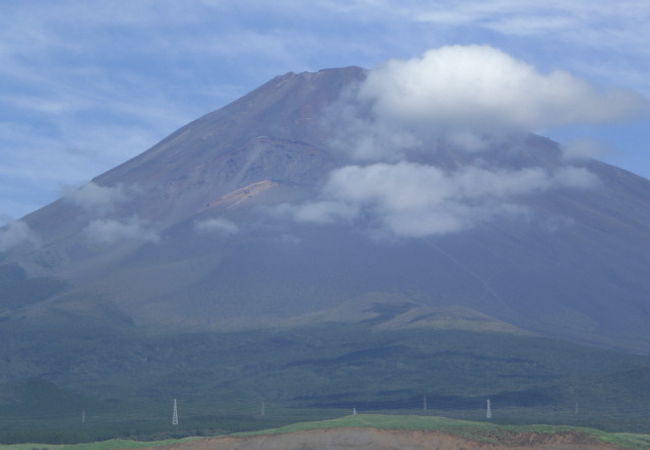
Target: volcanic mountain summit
<point>270,212</point>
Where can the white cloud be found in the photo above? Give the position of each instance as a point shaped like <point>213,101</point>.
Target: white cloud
<point>5,219</point>
<point>365,139</point>
<point>217,225</point>
<point>93,196</point>
<point>581,149</point>
<point>112,108</point>
<point>109,231</point>
<point>414,200</point>
<point>481,87</point>
<point>469,98</point>
<point>17,234</point>
<point>321,212</point>
<point>530,17</point>
<point>40,165</point>
<point>575,177</point>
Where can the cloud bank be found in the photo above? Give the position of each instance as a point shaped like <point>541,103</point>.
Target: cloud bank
<point>414,200</point>
<point>438,144</point>
<point>480,87</point>
<point>466,97</point>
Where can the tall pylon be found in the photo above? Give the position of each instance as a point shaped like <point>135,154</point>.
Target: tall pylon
<point>83,416</point>
<point>175,414</point>
<point>424,402</point>
<point>488,411</point>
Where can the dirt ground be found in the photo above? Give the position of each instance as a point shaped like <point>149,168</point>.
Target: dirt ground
<point>374,439</point>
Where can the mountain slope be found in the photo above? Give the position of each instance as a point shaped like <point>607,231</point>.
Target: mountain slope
<point>207,247</point>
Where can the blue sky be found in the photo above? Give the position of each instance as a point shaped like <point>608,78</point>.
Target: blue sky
<point>87,85</point>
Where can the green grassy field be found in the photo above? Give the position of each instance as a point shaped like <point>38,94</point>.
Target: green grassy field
<point>478,431</point>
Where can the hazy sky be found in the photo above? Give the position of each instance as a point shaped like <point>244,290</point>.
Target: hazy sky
<point>86,85</point>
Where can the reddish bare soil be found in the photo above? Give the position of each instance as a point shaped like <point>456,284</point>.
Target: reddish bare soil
<point>374,439</point>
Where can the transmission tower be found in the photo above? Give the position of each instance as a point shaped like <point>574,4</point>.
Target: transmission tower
<point>488,411</point>
<point>424,402</point>
<point>263,409</point>
<point>175,414</point>
<point>83,416</point>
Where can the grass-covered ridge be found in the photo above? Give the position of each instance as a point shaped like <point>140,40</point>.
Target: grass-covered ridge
<point>100,445</point>
<point>478,431</point>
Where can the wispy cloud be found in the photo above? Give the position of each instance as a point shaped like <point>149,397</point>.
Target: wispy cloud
<point>320,212</point>
<point>414,200</point>
<point>110,231</point>
<point>17,233</point>
<point>92,196</point>
<point>5,219</point>
<point>581,149</point>
<point>39,165</point>
<point>217,225</point>
<point>85,86</point>
<point>580,30</point>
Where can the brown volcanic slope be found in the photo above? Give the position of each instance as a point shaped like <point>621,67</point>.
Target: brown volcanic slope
<point>579,269</point>
<point>375,439</point>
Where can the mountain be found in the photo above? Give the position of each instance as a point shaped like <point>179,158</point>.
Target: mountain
<point>579,270</point>
<point>193,241</point>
